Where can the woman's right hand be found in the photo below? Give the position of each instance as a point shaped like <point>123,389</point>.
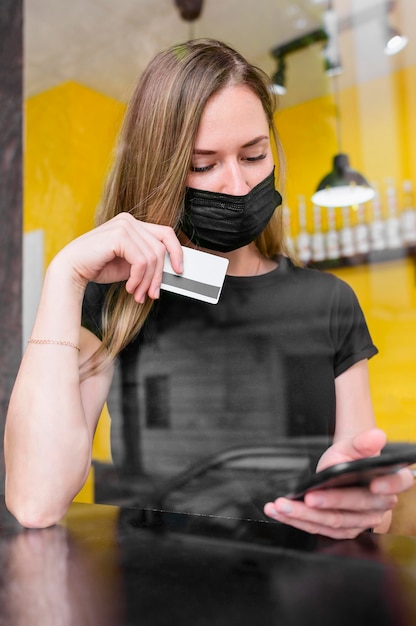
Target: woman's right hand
<point>123,248</point>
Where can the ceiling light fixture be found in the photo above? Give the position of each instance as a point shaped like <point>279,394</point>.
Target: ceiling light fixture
<point>278,85</point>
<point>189,10</point>
<point>280,53</point>
<point>343,186</point>
<point>395,42</point>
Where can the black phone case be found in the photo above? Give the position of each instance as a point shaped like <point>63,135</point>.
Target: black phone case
<point>357,473</point>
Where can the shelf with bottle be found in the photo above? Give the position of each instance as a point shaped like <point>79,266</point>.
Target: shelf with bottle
<point>372,233</point>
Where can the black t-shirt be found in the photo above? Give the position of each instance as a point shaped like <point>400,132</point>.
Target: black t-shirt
<point>258,367</point>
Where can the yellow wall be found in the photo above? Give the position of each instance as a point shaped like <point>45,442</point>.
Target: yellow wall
<point>387,294</point>
<point>70,133</point>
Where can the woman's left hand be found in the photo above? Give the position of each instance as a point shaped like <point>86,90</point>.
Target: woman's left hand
<point>346,512</point>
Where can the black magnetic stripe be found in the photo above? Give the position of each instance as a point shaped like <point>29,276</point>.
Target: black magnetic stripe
<point>211,291</point>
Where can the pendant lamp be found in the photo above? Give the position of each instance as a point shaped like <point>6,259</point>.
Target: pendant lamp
<point>189,10</point>
<point>343,186</point>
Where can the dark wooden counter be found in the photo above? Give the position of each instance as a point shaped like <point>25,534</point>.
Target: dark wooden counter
<point>105,565</point>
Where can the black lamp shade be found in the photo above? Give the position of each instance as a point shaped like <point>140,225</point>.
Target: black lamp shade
<point>343,186</point>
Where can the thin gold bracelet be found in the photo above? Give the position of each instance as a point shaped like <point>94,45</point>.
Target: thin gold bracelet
<point>69,344</point>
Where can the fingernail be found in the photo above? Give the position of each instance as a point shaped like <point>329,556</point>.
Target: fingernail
<point>284,507</point>
<point>157,293</point>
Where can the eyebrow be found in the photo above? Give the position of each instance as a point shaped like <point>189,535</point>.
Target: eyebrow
<point>250,143</point>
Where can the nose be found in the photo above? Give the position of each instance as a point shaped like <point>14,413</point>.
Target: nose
<point>234,181</point>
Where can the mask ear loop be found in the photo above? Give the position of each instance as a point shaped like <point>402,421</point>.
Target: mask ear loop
<point>179,227</point>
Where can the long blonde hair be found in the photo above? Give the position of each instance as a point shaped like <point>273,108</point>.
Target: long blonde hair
<point>154,153</point>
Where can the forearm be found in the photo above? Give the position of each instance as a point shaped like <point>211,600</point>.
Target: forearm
<point>47,440</point>
<point>52,416</point>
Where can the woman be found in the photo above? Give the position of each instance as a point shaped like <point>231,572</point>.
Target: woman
<point>196,145</point>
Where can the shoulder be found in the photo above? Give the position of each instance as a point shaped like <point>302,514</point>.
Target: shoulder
<point>311,278</point>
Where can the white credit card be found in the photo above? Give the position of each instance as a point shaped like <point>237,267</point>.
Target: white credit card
<point>202,278</point>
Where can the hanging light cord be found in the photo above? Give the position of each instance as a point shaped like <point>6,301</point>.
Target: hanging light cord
<point>191,31</point>
<point>337,112</point>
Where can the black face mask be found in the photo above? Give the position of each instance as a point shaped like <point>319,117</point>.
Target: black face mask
<point>219,221</point>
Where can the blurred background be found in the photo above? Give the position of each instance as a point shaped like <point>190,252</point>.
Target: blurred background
<point>340,91</point>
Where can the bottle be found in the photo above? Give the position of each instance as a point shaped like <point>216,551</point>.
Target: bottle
<point>318,240</point>
<point>408,216</point>
<point>392,224</point>
<point>362,244</point>
<point>332,239</point>
<point>288,231</point>
<point>303,239</point>
<point>346,235</point>
<point>377,230</point>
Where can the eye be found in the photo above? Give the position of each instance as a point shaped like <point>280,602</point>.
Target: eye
<point>260,157</point>
<point>204,168</point>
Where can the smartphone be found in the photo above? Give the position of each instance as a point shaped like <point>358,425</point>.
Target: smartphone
<point>357,473</point>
